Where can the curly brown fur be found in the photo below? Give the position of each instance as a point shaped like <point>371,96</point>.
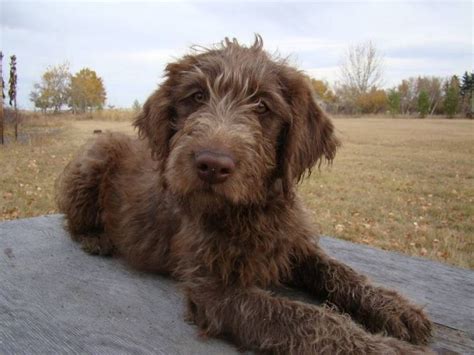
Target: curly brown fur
<point>231,227</point>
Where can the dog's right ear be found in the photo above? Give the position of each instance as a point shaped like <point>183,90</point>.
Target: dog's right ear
<point>309,136</point>
<point>157,119</point>
<point>154,122</point>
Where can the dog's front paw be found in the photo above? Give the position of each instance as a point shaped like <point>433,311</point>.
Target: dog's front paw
<point>417,323</point>
<point>394,315</point>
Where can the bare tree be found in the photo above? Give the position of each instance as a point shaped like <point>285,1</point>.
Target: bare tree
<point>362,68</point>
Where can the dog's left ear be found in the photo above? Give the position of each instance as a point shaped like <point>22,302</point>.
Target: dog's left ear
<point>309,136</point>
<point>155,121</point>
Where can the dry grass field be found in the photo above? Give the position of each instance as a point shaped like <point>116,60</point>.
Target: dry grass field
<point>398,184</point>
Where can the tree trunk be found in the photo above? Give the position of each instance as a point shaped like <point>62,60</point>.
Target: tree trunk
<point>434,107</point>
<point>16,120</point>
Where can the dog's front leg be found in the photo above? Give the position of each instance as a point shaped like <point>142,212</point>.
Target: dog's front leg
<point>255,319</point>
<point>377,308</point>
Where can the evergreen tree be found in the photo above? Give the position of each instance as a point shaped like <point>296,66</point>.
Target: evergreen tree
<point>423,103</point>
<point>12,91</point>
<point>450,102</point>
<point>466,90</point>
<point>394,101</point>
<point>12,81</point>
<point>451,99</point>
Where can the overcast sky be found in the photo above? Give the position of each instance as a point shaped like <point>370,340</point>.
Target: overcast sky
<point>128,43</point>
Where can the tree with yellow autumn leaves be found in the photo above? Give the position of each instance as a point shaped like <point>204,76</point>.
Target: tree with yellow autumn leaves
<point>87,91</point>
<point>83,91</point>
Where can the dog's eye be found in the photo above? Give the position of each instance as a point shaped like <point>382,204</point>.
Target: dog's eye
<point>199,97</point>
<point>261,107</point>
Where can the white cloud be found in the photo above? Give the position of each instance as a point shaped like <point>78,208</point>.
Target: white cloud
<point>294,44</point>
<point>329,74</point>
<point>129,43</point>
<point>154,55</point>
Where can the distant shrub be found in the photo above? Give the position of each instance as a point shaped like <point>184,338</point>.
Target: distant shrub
<point>375,101</point>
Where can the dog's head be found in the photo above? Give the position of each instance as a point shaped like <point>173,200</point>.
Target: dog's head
<point>233,124</point>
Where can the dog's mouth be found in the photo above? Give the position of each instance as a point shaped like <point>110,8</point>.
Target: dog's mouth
<point>222,193</point>
<point>205,198</point>
<point>206,189</point>
<point>211,190</point>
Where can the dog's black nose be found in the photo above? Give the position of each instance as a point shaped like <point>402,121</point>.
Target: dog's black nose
<point>214,167</point>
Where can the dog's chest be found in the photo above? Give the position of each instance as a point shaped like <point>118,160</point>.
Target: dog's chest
<point>248,254</point>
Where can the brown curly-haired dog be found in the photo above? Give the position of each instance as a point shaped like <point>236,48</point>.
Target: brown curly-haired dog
<point>208,196</point>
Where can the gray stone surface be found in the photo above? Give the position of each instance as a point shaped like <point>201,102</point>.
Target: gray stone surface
<point>54,298</point>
